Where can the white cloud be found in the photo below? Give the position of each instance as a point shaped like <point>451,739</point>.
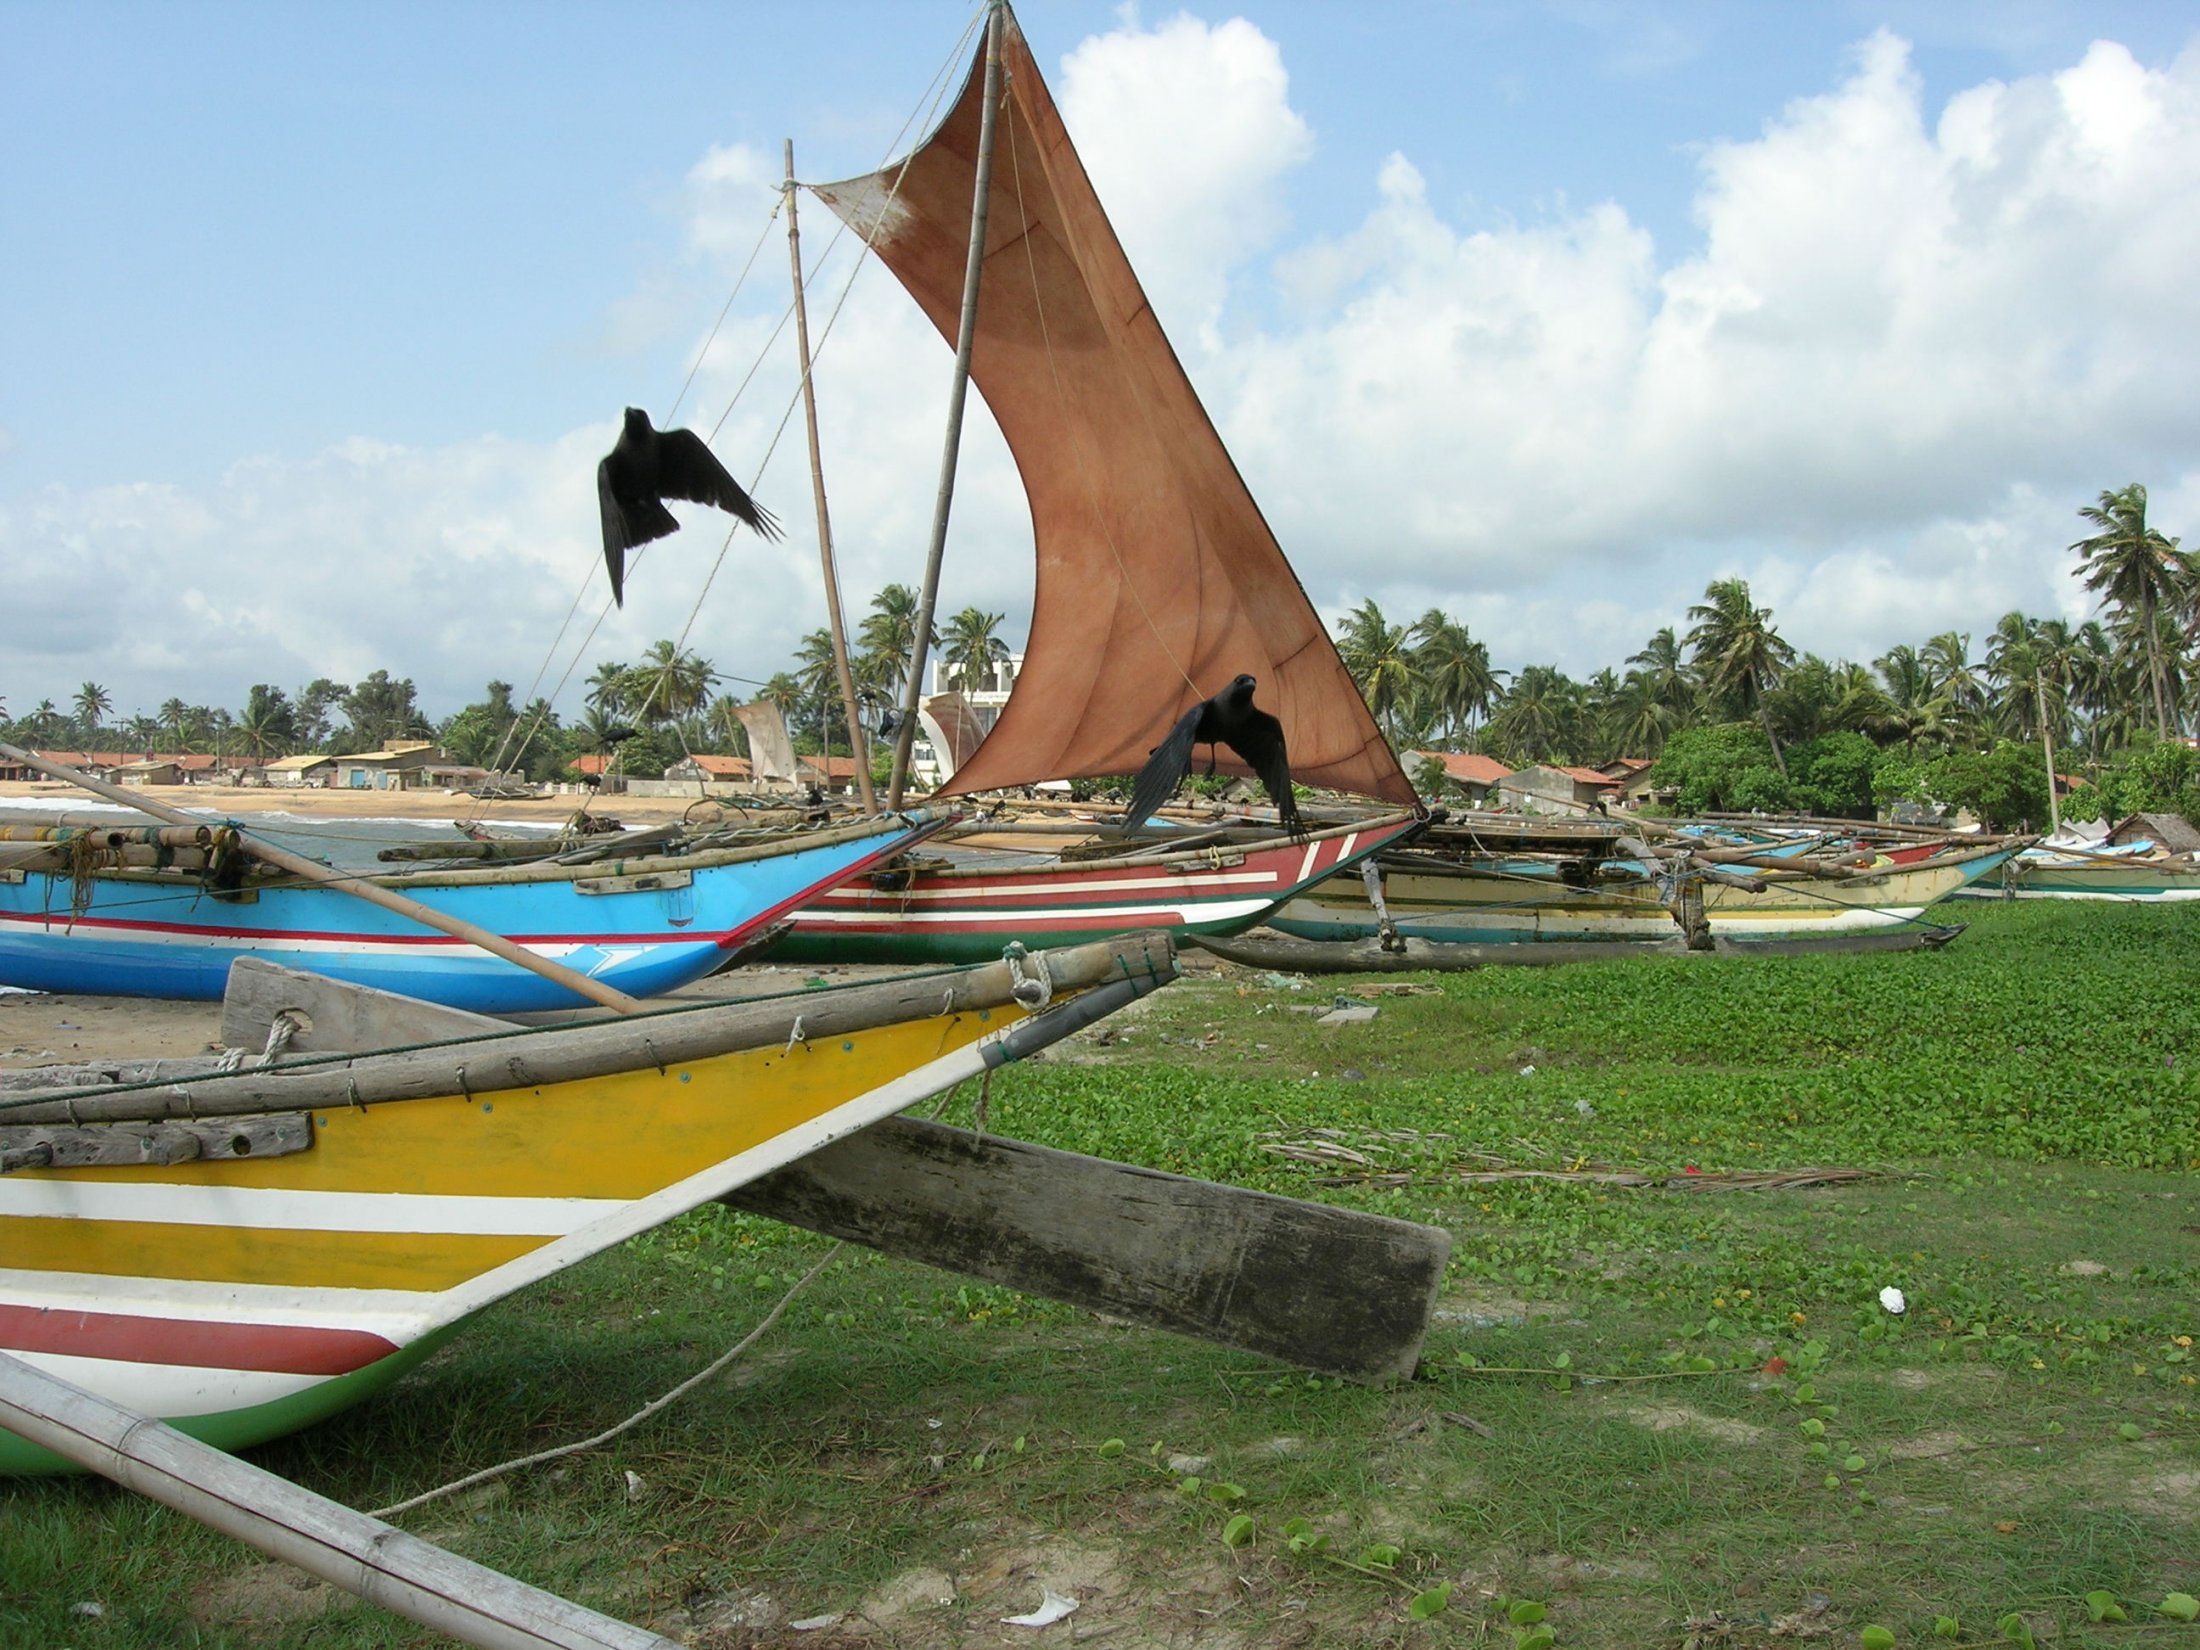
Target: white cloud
<point>1906,347</point>
<point>1896,342</point>
<point>1188,134</point>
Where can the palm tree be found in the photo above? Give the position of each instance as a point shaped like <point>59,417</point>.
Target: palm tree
<point>969,649</point>
<point>784,692</point>
<point>266,728</point>
<point>2139,572</point>
<point>1641,721</point>
<point>174,715</point>
<point>1453,670</point>
<point>1536,719</point>
<point>1947,658</point>
<point>888,637</point>
<point>668,684</point>
<point>92,705</point>
<point>609,685</point>
<point>819,676</point>
<point>1737,654</point>
<point>1915,710</point>
<point>44,720</point>
<point>1374,652</point>
<point>1663,667</point>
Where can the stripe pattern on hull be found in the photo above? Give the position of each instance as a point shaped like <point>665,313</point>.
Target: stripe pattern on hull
<point>962,917</point>
<point>644,927</point>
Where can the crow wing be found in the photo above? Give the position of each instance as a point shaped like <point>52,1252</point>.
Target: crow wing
<point>626,525</point>
<point>687,468</point>
<point>1258,740</point>
<point>1165,769</point>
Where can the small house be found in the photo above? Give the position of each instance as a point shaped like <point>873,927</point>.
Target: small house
<point>1544,789</point>
<point>310,769</point>
<point>1471,776</point>
<point>711,770</point>
<point>395,767</point>
<point>2172,833</point>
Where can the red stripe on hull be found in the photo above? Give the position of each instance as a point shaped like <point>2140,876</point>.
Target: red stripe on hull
<point>274,1348</point>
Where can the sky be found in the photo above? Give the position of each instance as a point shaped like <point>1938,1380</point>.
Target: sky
<point>314,320</point>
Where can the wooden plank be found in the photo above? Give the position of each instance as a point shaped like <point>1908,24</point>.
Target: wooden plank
<point>1335,1290</point>
<point>59,1146</point>
<point>333,1015</point>
<point>377,1561</point>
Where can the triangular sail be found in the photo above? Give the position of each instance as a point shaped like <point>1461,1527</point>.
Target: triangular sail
<point>1158,579</point>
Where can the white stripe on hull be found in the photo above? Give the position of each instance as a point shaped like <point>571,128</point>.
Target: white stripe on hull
<point>173,1391</point>
<point>257,1207</point>
<point>824,916</point>
<point>1059,888</point>
<point>381,1311</point>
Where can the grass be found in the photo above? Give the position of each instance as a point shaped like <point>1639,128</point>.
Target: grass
<point>1668,1417</point>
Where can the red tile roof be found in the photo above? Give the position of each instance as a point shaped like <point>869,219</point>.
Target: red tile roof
<point>1466,768</point>
<point>722,767</point>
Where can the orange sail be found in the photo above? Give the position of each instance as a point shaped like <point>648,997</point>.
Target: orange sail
<point>1158,579</point>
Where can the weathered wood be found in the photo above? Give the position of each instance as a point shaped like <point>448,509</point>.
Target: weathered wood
<point>1330,1289</point>
<point>59,1146</point>
<point>1263,949</point>
<point>530,1058</point>
<point>377,1561</point>
<point>334,1016</point>
<point>94,1074</point>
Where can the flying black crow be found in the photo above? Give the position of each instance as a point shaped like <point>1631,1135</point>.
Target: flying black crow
<point>645,468</point>
<point>1229,718</point>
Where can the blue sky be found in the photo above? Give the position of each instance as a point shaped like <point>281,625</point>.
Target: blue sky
<point>314,318</point>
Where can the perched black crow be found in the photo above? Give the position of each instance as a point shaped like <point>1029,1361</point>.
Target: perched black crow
<point>1229,718</point>
<point>649,466</point>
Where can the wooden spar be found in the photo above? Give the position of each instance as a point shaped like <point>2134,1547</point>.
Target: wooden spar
<point>856,743</point>
<point>373,893</point>
<point>379,1562</point>
<point>536,1057</point>
<point>965,342</point>
<point>1335,1290</point>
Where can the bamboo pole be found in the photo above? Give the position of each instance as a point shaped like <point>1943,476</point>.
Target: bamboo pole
<point>857,745</point>
<point>965,341</point>
<point>379,1562</point>
<point>373,893</point>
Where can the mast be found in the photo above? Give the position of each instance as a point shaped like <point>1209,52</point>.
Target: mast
<point>856,746</point>
<point>965,340</point>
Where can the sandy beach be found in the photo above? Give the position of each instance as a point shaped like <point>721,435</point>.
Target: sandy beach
<point>40,1028</point>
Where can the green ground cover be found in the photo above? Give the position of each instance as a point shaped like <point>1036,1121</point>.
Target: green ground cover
<point>1674,1416</point>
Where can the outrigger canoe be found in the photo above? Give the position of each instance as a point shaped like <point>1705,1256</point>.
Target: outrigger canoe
<point>1473,903</point>
<point>243,1252</point>
<point>142,911</point>
<point>957,904</point>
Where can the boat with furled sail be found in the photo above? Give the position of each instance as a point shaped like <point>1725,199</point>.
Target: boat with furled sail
<point>1158,579</point>
<point>244,1251</point>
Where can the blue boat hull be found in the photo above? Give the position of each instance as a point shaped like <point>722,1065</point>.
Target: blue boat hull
<point>641,926</point>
